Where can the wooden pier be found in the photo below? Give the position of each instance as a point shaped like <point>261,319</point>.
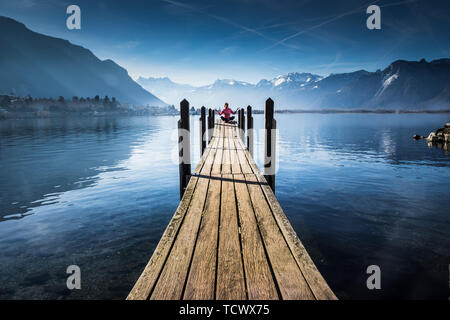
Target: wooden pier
<point>229,238</point>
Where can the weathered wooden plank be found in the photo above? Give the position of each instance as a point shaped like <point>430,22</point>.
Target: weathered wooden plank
<point>226,165</point>
<point>315,280</point>
<point>260,283</point>
<point>317,283</point>
<point>244,161</point>
<point>201,280</point>
<point>239,158</point>
<point>217,166</point>
<point>250,160</point>
<point>233,228</point>
<point>230,272</point>
<point>236,136</point>
<point>202,275</point>
<point>170,284</point>
<point>147,279</point>
<point>235,166</point>
<point>290,280</point>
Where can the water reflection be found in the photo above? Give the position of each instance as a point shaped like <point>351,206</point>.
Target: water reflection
<point>99,193</point>
<point>352,137</point>
<point>359,191</point>
<point>441,145</point>
<point>41,159</point>
<point>99,200</point>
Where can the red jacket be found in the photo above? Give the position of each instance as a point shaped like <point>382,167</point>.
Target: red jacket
<point>227,112</point>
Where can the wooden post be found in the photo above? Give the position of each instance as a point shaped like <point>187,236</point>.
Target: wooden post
<point>243,125</point>
<point>202,127</point>
<point>210,130</point>
<point>270,126</point>
<point>249,130</point>
<point>239,119</point>
<point>184,146</point>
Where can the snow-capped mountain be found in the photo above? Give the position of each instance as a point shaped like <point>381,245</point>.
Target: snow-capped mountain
<point>292,80</point>
<point>227,83</point>
<point>213,95</point>
<point>236,92</point>
<point>410,85</point>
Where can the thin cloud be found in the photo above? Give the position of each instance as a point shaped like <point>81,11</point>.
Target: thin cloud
<point>340,16</point>
<point>335,18</point>
<point>226,21</point>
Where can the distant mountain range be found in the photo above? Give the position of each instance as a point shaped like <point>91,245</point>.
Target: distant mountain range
<point>404,85</point>
<point>167,90</point>
<point>42,66</point>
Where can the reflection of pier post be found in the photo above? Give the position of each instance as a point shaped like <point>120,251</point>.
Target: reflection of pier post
<point>270,126</point>
<point>249,130</point>
<point>184,146</point>
<point>202,127</point>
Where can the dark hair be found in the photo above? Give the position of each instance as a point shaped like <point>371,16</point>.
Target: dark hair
<point>226,104</point>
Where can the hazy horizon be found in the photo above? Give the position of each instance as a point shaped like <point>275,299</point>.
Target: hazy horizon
<point>278,75</point>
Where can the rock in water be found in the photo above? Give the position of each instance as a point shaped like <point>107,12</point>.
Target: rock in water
<point>417,137</point>
<point>441,134</point>
<point>431,137</point>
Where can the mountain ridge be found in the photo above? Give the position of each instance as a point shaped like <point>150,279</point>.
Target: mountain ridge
<point>402,85</point>
<point>44,66</point>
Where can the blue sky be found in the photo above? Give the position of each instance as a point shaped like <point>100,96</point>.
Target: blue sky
<point>199,41</point>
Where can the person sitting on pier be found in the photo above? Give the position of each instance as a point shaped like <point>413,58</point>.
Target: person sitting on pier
<point>226,112</point>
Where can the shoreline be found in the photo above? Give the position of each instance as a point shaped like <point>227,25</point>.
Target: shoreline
<point>365,111</point>
<point>24,116</point>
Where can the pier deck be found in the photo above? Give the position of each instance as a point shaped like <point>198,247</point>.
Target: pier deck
<point>229,237</point>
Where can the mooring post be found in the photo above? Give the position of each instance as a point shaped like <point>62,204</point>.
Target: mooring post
<point>210,130</point>
<point>202,127</point>
<point>184,146</point>
<point>239,119</point>
<point>270,126</point>
<point>243,125</point>
<point>249,130</point>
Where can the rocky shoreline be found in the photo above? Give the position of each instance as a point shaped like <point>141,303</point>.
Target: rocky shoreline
<point>441,135</point>
<point>440,138</point>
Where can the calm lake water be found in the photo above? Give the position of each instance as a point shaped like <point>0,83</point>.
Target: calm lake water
<point>99,192</point>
